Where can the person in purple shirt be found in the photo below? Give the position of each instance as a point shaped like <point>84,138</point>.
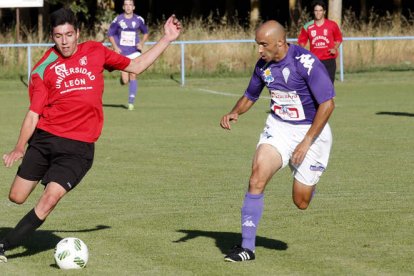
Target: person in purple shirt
<point>123,34</point>
<point>296,133</point>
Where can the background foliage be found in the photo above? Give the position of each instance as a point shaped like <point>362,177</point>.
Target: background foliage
<point>234,59</point>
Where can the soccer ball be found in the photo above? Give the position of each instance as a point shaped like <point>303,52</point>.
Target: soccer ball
<point>71,253</point>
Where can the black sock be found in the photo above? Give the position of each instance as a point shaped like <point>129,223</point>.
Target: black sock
<point>26,226</point>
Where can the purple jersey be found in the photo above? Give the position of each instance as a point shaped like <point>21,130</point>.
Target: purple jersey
<point>125,32</point>
<point>297,85</point>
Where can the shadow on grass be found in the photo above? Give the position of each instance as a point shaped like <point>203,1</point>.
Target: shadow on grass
<point>23,80</point>
<point>116,106</point>
<point>226,240</point>
<point>43,240</point>
<point>173,78</point>
<point>405,114</point>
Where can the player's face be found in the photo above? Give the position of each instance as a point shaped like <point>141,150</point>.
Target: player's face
<point>128,7</point>
<point>66,39</point>
<point>268,48</point>
<point>319,12</point>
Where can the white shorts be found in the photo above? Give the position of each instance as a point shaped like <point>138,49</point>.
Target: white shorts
<point>285,137</point>
<point>133,55</point>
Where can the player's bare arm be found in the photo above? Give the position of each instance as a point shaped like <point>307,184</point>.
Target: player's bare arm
<point>242,106</point>
<point>334,50</point>
<point>172,30</point>
<point>321,118</point>
<point>140,45</point>
<point>114,46</point>
<point>26,131</point>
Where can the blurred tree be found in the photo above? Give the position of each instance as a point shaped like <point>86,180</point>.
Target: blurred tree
<point>254,12</point>
<point>397,12</point>
<point>397,7</point>
<point>335,11</point>
<point>196,10</point>
<point>230,9</point>
<point>104,15</point>
<point>363,9</point>
<point>295,11</point>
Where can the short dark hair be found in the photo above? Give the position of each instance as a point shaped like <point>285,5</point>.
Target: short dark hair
<point>318,3</point>
<point>61,17</point>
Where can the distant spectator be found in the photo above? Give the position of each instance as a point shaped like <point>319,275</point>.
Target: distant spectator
<point>123,34</point>
<point>324,36</point>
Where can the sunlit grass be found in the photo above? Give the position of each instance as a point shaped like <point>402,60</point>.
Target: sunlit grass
<point>164,194</point>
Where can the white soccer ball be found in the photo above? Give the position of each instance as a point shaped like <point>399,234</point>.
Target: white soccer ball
<point>71,253</point>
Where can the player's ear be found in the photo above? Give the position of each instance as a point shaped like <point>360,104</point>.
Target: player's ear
<point>280,43</point>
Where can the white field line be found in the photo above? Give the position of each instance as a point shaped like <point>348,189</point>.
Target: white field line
<point>224,93</point>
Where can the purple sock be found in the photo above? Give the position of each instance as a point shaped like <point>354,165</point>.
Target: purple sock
<point>251,214</point>
<point>133,86</point>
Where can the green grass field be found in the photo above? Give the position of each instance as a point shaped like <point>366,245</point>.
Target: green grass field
<point>165,191</point>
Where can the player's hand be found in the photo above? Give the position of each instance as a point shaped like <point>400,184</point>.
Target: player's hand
<point>117,50</point>
<point>13,156</point>
<point>172,28</point>
<point>332,51</point>
<point>226,119</point>
<point>300,152</point>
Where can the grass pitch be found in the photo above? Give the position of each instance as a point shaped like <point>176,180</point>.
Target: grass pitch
<point>164,194</point>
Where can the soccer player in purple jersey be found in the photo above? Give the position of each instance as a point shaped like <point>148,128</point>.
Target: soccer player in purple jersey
<point>123,34</point>
<point>296,132</point>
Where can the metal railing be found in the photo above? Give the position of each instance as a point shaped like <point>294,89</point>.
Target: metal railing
<point>182,44</point>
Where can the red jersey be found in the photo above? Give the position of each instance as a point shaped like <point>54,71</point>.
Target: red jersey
<point>67,92</point>
<point>322,38</point>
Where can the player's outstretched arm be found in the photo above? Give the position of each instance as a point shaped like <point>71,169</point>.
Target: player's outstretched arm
<point>172,29</point>
<point>242,106</point>
<point>26,131</point>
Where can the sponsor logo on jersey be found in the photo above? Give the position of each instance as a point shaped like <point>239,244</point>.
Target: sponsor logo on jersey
<point>320,41</point>
<point>307,60</point>
<point>123,24</point>
<point>62,72</point>
<point>267,76</point>
<point>286,73</point>
<point>286,111</point>
<point>83,61</point>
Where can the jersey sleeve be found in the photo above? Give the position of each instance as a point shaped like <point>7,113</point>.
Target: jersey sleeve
<point>316,76</point>
<point>38,94</point>
<point>256,85</point>
<point>303,37</point>
<point>114,61</point>
<point>143,28</point>
<point>337,33</point>
<point>113,28</point>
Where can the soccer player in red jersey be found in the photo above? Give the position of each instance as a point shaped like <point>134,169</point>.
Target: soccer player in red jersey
<point>65,117</point>
<point>324,36</point>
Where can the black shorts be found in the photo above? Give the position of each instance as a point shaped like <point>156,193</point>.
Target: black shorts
<point>55,159</point>
<point>330,65</point>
